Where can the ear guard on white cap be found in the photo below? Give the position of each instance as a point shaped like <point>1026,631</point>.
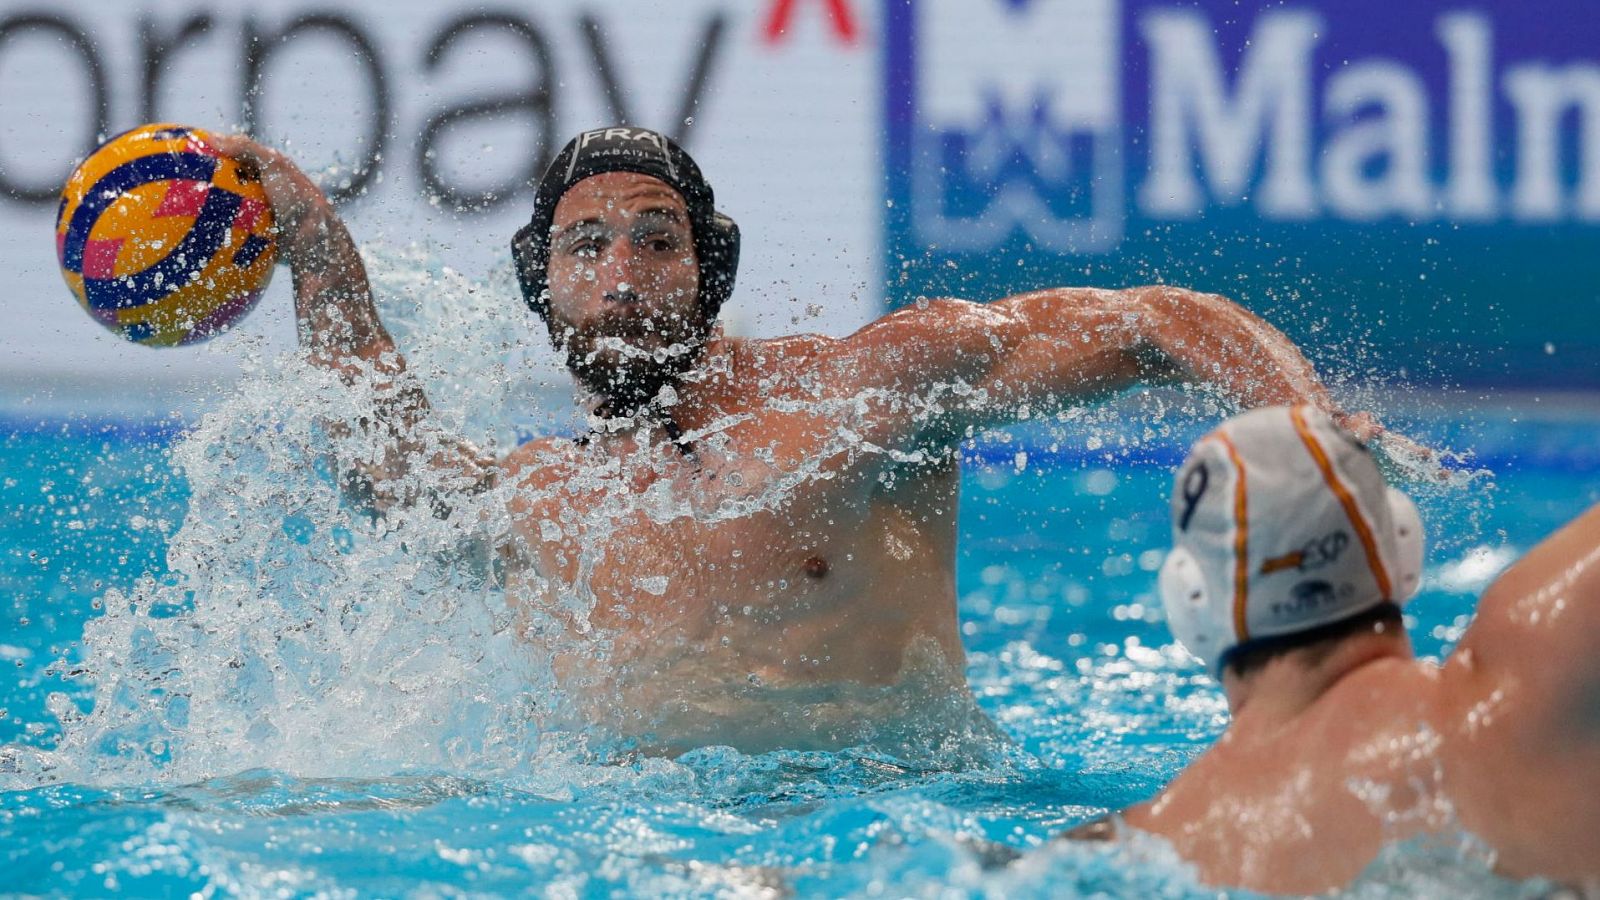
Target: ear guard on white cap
<point>1204,632</point>
<point>1408,544</point>
<point>1204,624</point>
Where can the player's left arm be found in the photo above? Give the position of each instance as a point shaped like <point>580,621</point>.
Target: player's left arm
<point>1521,694</point>
<point>945,368</point>
<point>1533,635</point>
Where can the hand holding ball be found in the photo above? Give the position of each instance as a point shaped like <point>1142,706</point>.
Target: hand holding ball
<point>163,239</point>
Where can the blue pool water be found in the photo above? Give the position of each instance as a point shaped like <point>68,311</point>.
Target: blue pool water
<point>1067,654</point>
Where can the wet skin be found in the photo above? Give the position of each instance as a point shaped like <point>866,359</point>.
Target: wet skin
<point>1330,758</point>
<point>843,559</point>
<point>842,573</point>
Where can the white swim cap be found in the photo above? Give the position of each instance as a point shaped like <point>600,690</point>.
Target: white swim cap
<point>1281,522</point>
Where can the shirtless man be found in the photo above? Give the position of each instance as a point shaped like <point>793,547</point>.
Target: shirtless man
<point>761,533</point>
<point>1291,559</point>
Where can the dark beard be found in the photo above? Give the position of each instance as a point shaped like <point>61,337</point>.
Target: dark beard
<point>628,387</point>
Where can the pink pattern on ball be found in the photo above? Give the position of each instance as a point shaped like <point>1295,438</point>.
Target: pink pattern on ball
<point>100,258</point>
<point>183,198</point>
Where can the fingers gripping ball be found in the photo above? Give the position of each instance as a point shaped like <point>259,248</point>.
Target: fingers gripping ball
<point>162,239</point>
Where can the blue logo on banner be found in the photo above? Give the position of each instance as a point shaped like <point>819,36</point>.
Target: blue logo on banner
<point>1016,145</point>
<point>1413,170</point>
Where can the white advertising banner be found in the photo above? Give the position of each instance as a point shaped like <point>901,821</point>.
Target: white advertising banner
<point>431,121</point>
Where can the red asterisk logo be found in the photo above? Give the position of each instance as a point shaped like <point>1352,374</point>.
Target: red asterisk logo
<point>840,16</point>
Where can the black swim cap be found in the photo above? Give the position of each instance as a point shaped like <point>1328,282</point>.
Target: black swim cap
<point>628,149</point>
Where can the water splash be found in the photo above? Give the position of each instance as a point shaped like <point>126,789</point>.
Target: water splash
<point>308,645</point>
<point>295,631</point>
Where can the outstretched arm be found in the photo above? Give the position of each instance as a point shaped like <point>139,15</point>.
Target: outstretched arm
<point>339,327</point>
<point>958,366</point>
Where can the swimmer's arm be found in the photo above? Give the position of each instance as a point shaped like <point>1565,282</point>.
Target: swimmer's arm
<point>1521,693</point>
<point>1544,604</point>
<point>341,331</point>
<point>961,366</point>
<point>1535,627</point>
<point>1069,345</point>
<point>337,320</point>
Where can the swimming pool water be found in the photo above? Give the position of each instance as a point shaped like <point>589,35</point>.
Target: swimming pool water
<point>1067,654</point>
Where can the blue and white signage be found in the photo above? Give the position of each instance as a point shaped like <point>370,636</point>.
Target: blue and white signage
<point>1421,179</point>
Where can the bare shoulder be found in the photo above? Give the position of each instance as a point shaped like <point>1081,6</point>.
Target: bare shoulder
<point>538,462</point>
<point>1371,729</point>
<point>931,317</point>
<point>1537,621</point>
<point>899,339</point>
<point>1525,680</point>
<point>878,352</point>
<point>783,362</point>
<point>1524,710</point>
<point>787,351</point>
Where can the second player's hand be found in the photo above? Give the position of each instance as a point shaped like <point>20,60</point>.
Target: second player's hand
<point>1405,457</point>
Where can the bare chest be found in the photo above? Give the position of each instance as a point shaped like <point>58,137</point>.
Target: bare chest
<point>657,532</point>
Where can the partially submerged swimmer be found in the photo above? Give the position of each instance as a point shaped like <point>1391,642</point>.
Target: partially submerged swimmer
<point>804,594</point>
<point>1291,559</point>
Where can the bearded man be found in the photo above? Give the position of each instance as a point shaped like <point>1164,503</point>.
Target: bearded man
<point>761,534</point>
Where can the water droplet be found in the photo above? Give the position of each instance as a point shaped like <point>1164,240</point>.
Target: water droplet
<point>654,584</point>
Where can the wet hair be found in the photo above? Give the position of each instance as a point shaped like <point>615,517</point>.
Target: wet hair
<point>1320,642</point>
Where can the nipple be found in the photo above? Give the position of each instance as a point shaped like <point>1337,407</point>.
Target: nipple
<point>816,566</point>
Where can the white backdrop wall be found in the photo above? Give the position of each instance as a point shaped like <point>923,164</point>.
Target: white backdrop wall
<point>434,118</point>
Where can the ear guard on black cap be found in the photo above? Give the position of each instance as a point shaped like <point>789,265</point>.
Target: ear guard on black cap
<point>627,149</point>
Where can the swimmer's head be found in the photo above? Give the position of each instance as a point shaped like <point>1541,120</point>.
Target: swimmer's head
<point>627,261</point>
<point>1282,528</point>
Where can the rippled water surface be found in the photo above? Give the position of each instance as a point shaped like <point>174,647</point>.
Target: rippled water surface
<point>1066,653</point>
<point>218,677</point>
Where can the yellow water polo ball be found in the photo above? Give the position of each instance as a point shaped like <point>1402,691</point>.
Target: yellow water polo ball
<point>162,239</point>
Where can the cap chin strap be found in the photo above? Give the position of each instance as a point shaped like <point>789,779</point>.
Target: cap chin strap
<point>1205,627</point>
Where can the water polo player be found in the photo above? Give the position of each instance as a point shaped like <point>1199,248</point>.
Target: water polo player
<point>1291,561</point>
<point>762,533</point>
